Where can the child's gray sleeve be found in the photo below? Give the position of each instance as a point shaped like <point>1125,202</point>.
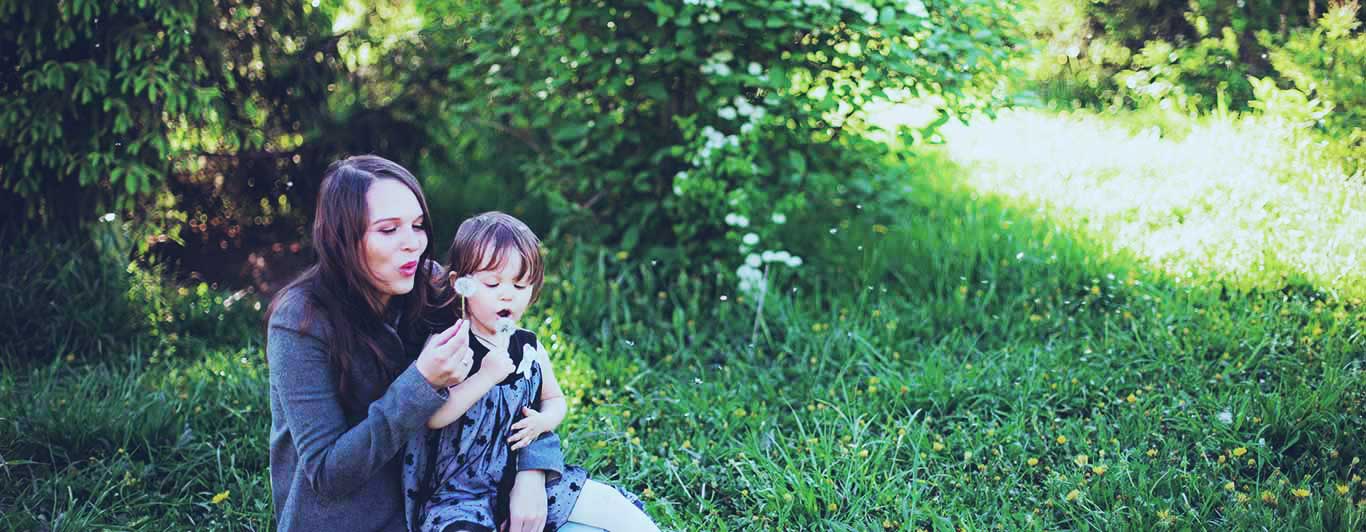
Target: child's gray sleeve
<point>545,454</point>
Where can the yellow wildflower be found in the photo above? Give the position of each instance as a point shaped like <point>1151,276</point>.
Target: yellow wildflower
<point>1229,486</point>
<point>1131,398</point>
<point>1081,459</point>
<point>1099,470</point>
<point>1062,439</point>
<point>832,507</point>
<point>1268,497</point>
<point>219,498</point>
<point>1032,462</point>
<point>1072,495</point>
<point>1240,451</point>
<point>1152,453</point>
<point>1342,489</point>
<point>1300,492</point>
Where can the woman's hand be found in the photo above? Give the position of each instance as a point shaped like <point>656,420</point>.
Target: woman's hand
<point>530,427</point>
<point>446,359</point>
<point>526,504</point>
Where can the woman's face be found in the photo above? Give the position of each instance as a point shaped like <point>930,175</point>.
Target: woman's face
<point>500,294</point>
<point>395,237</point>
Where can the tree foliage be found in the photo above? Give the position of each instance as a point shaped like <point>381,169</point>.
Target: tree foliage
<point>1194,54</point>
<point>651,124</point>
<point>648,125</point>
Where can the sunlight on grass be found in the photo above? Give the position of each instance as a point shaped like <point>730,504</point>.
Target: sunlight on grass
<point>1245,200</point>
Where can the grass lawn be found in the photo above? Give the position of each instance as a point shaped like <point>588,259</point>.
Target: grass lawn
<point>997,351</point>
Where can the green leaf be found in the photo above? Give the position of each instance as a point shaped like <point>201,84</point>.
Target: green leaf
<point>664,10</point>
<point>570,132</point>
<point>797,161</point>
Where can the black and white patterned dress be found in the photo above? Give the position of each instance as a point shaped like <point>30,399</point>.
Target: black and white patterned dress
<point>461,476</point>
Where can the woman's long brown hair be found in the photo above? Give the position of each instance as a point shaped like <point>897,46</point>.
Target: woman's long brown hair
<point>339,287</point>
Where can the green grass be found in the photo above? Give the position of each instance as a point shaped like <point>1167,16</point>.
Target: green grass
<point>944,362</point>
<point>1245,199</point>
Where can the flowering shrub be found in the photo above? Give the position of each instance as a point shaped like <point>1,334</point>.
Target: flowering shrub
<point>702,127</point>
<point>1328,62</point>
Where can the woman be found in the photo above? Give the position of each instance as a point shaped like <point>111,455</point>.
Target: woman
<point>345,391</point>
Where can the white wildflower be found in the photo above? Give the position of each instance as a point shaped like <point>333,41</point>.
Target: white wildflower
<point>727,113</point>
<point>750,239</point>
<point>917,8</point>
<point>779,218</point>
<point>777,256</point>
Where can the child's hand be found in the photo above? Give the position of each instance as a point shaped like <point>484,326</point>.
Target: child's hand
<point>497,365</point>
<point>530,428</point>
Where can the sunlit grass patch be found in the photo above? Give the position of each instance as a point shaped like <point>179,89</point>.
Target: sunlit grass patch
<point>1243,199</point>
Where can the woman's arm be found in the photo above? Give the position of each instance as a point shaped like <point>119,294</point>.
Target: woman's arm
<point>337,458</point>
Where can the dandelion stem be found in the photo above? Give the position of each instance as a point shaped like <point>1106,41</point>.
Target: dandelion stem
<point>759,312</point>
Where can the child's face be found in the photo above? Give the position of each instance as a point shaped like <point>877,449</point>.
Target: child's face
<point>501,294</point>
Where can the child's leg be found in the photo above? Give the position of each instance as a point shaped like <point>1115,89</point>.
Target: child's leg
<point>604,507</point>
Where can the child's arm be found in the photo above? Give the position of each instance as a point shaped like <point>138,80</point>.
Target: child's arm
<point>553,408</point>
<point>459,400</point>
<point>552,398</point>
<point>495,367</point>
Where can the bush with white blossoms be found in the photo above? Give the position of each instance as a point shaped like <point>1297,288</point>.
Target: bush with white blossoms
<point>690,125</point>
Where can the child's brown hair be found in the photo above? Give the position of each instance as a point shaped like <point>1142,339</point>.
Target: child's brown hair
<point>483,241</point>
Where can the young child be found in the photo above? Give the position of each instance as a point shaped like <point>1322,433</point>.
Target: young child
<point>499,420</point>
